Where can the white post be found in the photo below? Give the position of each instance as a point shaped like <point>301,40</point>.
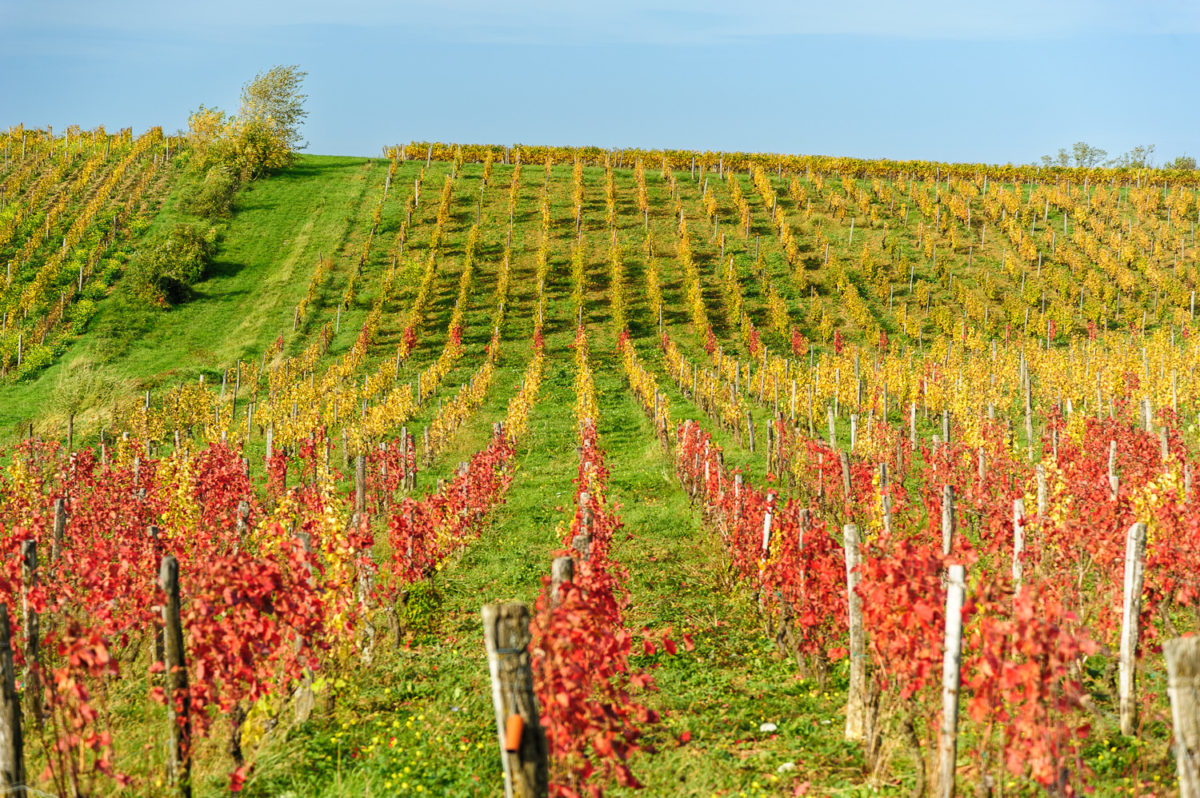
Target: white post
<point>1135,553</point>
<point>856,699</point>
<point>1183,688</point>
<point>1018,568</point>
<point>947,518</point>
<point>956,589</point>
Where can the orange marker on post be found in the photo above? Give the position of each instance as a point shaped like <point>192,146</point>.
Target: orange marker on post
<point>512,733</point>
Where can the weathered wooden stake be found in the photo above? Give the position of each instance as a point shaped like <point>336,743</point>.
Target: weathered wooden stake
<point>60,529</point>
<point>845,463</point>
<point>1043,496</point>
<point>179,766</point>
<point>582,542</point>
<point>956,589</point>
<point>1029,418</point>
<point>12,746</point>
<point>1113,479</point>
<point>360,483</point>
<point>856,701</point>
<point>1018,568</point>
<point>948,524</point>
<point>506,639</point>
<point>562,569</point>
<point>1131,609</point>
<point>766,529</point>
<point>1183,688</point>
<point>33,682</point>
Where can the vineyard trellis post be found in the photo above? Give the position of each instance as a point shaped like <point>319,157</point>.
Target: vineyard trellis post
<point>844,460</point>
<point>360,483</point>
<point>523,747</point>
<point>951,677</point>
<point>1018,567</point>
<point>1183,688</point>
<point>856,700</point>
<point>948,523</point>
<point>179,766</point>
<point>582,542</point>
<point>1135,553</point>
<point>12,747</point>
<point>1043,496</point>
<point>60,529</point>
<point>562,570</point>
<point>32,689</point>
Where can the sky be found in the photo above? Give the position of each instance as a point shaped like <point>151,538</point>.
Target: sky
<point>950,80</point>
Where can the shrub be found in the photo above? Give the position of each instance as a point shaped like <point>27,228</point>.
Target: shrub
<point>212,197</point>
<point>166,266</point>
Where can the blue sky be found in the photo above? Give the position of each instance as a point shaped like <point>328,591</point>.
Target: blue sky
<point>955,81</point>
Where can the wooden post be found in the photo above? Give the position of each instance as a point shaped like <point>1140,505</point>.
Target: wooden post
<point>180,763</point>
<point>1183,688</point>
<point>12,746</point>
<point>582,542</point>
<point>1018,567</point>
<point>750,430</point>
<point>1043,499</point>
<point>766,528</point>
<point>956,589</point>
<point>1113,480</point>
<point>506,639</point>
<point>856,701</point>
<point>738,482</point>
<point>1029,417</point>
<point>845,462</point>
<point>947,518</point>
<point>562,569</point>
<point>32,691</point>
<point>60,529</point>
<point>1131,609</point>
<point>360,483</point>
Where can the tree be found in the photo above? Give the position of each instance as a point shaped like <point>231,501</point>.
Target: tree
<point>1183,162</point>
<point>81,385</point>
<point>266,132</point>
<point>273,99</point>
<point>1140,157</point>
<point>1062,159</point>
<point>205,126</point>
<point>1086,156</point>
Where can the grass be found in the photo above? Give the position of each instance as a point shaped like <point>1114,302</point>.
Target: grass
<point>262,270</point>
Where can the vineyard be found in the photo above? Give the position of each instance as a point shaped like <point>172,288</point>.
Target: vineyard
<point>587,472</point>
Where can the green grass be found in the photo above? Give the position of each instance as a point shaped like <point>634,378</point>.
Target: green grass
<point>262,270</point>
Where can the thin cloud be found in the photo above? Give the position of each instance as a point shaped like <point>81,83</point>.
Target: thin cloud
<point>629,21</point>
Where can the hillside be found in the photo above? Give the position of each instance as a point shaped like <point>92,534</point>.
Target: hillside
<point>648,328</point>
